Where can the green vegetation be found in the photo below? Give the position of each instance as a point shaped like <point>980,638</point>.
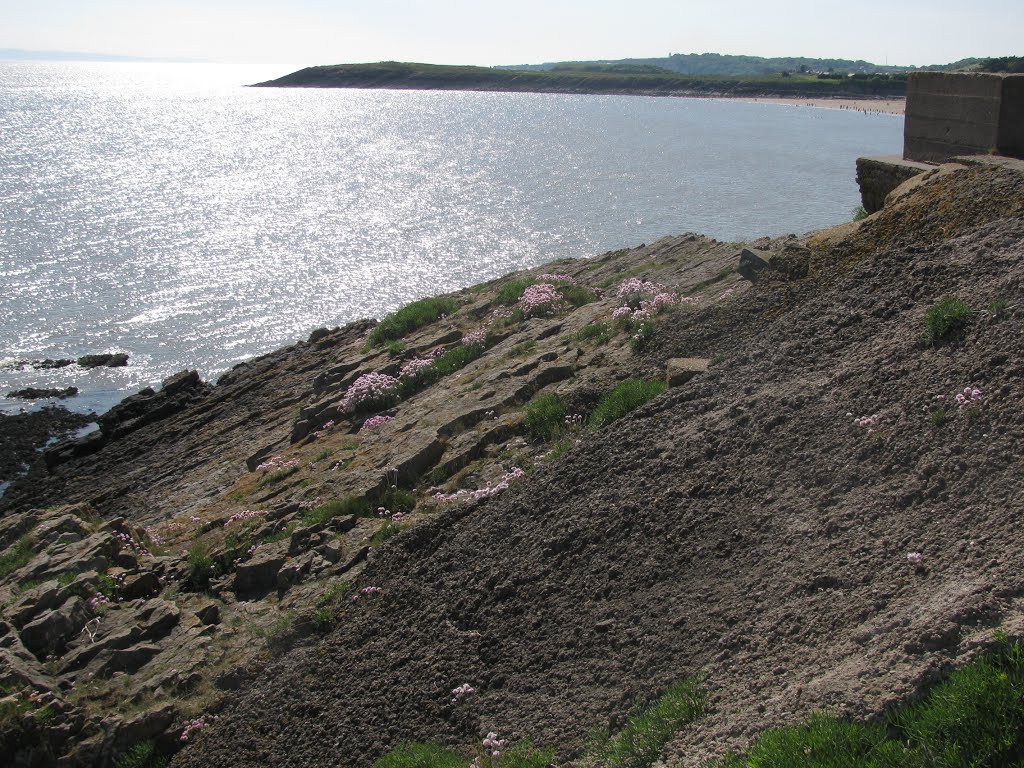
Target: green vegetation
<point>142,755</point>
<point>350,505</point>
<point>17,555</point>
<point>642,336</point>
<point>975,718</point>
<point>411,317</point>
<point>716,360</point>
<point>630,394</point>
<point>385,532</point>
<point>279,633</point>
<point>1014,64</point>
<point>998,306</point>
<point>201,567</point>
<point>949,316</point>
<point>859,213</point>
<point>522,349</point>
<point>599,333</point>
<point>545,417</point>
<point>451,361</point>
<point>421,756</point>
<point>577,295</point>
<point>394,347</point>
<point>276,477</point>
<point>512,291</point>
<point>323,455</point>
<point>640,743</point>
<point>337,592</point>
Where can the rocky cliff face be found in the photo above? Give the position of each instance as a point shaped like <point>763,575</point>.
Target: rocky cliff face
<point>219,553</point>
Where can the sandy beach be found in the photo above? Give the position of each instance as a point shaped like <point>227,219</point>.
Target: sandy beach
<point>867,106</point>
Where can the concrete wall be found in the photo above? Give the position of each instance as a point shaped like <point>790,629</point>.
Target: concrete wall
<point>878,176</point>
<point>950,114</point>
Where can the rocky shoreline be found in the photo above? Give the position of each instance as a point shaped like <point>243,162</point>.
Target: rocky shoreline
<point>344,531</point>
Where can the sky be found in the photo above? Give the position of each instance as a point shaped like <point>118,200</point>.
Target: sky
<point>308,32</point>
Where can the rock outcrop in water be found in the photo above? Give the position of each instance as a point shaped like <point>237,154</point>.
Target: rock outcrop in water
<point>247,566</point>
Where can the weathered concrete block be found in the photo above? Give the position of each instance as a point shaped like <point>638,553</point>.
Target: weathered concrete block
<point>950,114</point>
<point>878,176</point>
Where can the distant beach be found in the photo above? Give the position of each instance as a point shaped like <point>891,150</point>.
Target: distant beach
<point>868,106</point>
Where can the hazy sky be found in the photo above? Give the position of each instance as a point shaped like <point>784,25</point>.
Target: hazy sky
<point>516,31</point>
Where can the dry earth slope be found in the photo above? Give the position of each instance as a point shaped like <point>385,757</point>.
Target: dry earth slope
<point>741,526</point>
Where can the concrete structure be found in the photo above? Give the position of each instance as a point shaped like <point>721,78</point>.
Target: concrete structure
<point>878,176</point>
<point>950,114</point>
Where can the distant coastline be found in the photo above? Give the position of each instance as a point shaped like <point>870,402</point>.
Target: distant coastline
<point>409,76</point>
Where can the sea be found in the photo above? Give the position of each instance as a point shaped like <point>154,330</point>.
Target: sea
<point>169,212</point>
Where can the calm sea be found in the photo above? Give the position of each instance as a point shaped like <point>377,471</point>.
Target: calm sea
<point>166,211</point>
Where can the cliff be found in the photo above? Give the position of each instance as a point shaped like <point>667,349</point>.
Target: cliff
<point>254,567</point>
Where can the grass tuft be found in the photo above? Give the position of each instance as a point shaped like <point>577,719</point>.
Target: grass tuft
<point>599,333</point>
<point>409,318</point>
<point>627,396</point>
<point>17,555</point>
<point>350,505</point>
<point>421,756</point>
<point>142,755</point>
<point>545,417</point>
<point>949,316</point>
<point>640,743</point>
<point>512,291</point>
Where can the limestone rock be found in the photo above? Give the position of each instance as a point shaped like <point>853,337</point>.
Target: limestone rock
<point>680,370</point>
<point>259,573</point>
<point>50,633</point>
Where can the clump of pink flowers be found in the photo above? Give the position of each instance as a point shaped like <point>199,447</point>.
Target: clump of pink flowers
<point>463,690</point>
<point>540,299</point>
<point>394,517</point>
<point>493,744</point>
<point>474,337</point>
<point>635,285</point>
<point>412,368</point>
<point>969,397</point>
<point>870,423</point>
<point>197,725</point>
<point>368,390</point>
<point>245,514</point>
<point>367,591</point>
<point>481,493</point>
<point>324,429</point>
<point>98,602</point>
<point>128,541</point>
<point>276,462</point>
<point>375,421</point>
<point>915,558</point>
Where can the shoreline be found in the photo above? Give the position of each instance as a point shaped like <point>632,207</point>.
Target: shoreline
<point>880,106</point>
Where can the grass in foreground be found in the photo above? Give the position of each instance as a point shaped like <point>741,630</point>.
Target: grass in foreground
<point>974,719</point>
<point>411,317</point>
<point>627,396</point>
<point>640,743</point>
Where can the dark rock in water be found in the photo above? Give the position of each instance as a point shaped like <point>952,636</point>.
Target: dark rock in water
<point>21,435</point>
<point>147,406</point>
<point>107,360</point>
<point>46,364</point>
<point>751,265</point>
<point>32,393</point>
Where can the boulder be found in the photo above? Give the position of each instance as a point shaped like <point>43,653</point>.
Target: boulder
<point>106,360</point>
<point>752,264</point>
<point>259,573</point>
<point>680,370</point>
<point>51,632</point>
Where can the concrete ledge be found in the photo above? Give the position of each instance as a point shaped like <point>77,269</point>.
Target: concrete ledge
<point>878,176</point>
